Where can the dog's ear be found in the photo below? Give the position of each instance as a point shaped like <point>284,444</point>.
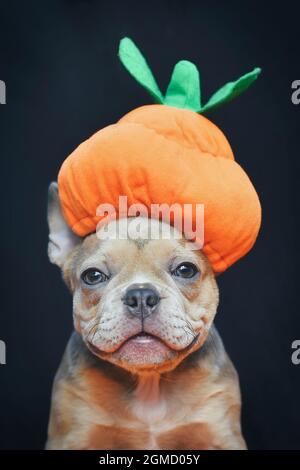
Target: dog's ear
<point>61,238</point>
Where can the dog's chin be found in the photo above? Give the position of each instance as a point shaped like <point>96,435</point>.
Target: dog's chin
<point>145,352</point>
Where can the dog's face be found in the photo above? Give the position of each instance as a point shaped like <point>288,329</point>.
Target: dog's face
<point>140,303</point>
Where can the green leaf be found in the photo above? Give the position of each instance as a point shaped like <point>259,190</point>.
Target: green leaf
<point>231,90</point>
<point>184,87</point>
<point>135,63</point>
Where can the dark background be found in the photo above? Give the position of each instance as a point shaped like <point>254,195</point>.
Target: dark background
<point>64,82</point>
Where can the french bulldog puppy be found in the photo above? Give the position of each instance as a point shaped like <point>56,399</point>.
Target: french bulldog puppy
<point>145,367</point>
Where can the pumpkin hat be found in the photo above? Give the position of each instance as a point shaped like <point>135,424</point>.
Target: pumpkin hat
<point>166,153</point>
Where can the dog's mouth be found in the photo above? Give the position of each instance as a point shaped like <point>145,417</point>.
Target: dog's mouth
<point>140,340</point>
<point>143,349</point>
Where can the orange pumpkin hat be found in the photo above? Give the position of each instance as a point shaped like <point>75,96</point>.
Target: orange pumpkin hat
<point>166,153</point>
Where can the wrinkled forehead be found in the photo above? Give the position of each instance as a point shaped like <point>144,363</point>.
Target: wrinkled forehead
<point>129,239</point>
<point>139,229</point>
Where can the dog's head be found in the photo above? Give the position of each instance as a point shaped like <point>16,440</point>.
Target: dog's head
<point>138,302</point>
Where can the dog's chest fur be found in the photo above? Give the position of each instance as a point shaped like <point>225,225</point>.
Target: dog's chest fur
<point>150,404</point>
<point>164,417</point>
<point>153,419</point>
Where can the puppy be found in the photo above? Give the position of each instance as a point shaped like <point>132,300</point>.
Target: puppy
<point>145,367</point>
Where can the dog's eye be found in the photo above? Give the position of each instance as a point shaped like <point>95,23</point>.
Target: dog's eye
<point>186,270</point>
<point>93,276</point>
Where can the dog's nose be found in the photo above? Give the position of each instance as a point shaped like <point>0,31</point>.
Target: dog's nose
<point>141,299</point>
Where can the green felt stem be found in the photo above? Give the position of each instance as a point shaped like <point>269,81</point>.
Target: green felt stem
<point>232,89</point>
<point>135,63</point>
<point>184,88</point>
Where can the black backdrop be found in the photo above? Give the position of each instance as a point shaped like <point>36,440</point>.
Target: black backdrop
<point>64,81</point>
